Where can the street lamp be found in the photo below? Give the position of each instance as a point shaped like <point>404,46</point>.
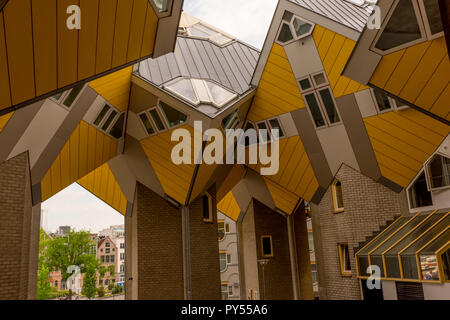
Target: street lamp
<point>262,263</point>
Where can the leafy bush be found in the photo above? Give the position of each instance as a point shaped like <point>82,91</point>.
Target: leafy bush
<point>101,292</point>
<point>111,286</point>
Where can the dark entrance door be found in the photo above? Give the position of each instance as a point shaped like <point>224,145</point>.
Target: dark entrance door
<point>371,295</point>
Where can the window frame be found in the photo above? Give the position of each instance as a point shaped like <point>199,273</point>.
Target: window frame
<point>210,219</point>
<point>210,37</point>
<point>65,94</point>
<point>422,21</point>
<point>290,23</point>
<point>344,272</point>
<point>262,246</point>
<point>336,208</point>
<point>234,117</point>
<point>221,254</point>
<point>166,120</point>
<point>428,176</point>
<point>271,128</point>
<point>315,90</point>
<point>408,188</point>
<point>392,102</point>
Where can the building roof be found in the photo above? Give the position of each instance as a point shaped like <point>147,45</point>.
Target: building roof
<point>232,65</point>
<point>341,11</point>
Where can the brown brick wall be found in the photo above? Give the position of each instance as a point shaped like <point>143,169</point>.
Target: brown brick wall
<point>303,256</point>
<point>159,247</point>
<point>368,206</point>
<point>205,269</point>
<point>15,227</point>
<point>277,272</point>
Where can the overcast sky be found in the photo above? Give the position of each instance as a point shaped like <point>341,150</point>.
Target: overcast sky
<point>247,20</point>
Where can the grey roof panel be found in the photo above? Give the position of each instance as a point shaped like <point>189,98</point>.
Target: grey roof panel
<point>232,65</point>
<point>341,11</point>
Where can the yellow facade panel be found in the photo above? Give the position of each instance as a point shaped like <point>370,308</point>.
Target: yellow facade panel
<point>19,39</point>
<point>105,36</point>
<point>385,68</point>
<point>67,46</point>
<point>283,199</point>
<point>151,25</point>
<point>112,195</point>
<point>137,29</point>
<point>229,206</point>
<point>87,40</point>
<point>122,32</point>
<point>442,106</point>
<point>45,51</point>
<point>5,94</point>
<point>4,120</point>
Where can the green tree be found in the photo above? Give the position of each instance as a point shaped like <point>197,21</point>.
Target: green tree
<point>43,283</point>
<point>75,249</point>
<point>90,280</point>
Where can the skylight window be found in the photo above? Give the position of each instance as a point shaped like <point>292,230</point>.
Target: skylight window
<point>196,92</point>
<point>201,31</point>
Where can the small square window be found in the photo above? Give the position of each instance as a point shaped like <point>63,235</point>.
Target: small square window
<point>305,84</point>
<point>266,247</point>
<point>320,79</point>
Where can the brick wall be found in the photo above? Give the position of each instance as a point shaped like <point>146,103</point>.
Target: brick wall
<point>303,256</point>
<point>159,247</point>
<point>277,273</point>
<point>205,269</point>
<point>15,227</point>
<point>368,206</point>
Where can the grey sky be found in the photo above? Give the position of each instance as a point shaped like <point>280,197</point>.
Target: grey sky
<point>248,21</point>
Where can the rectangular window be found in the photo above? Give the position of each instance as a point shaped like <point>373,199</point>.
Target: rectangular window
<point>221,227</point>
<point>223,261</point>
<point>224,289</point>
<point>263,135</point>
<point>230,291</point>
<point>266,247</point>
<point>344,259</point>
<point>157,120</point>
<point>314,108</point>
<point>330,107</point>
<point>110,119</point>
<point>107,250</point>
<point>227,228</point>
<point>228,258</point>
<point>147,124</point>
<point>275,125</point>
<point>101,115</point>
<point>102,259</point>
<point>207,208</point>
<point>122,245</point>
<point>112,259</point>
<point>338,200</point>
<point>107,258</point>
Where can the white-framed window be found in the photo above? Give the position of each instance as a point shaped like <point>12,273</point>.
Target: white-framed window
<point>409,22</point>
<point>228,259</point>
<point>201,31</point>
<point>418,194</point>
<point>319,98</point>
<point>224,290</point>
<point>230,291</point>
<point>344,259</point>
<point>110,121</point>
<point>69,97</point>
<point>293,28</point>
<point>199,92</point>
<point>223,261</point>
<point>385,103</point>
<point>221,227</point>
<point>437,171</point>
<point>338,199</point>
<point>160,118</point>
<point>268,125</point>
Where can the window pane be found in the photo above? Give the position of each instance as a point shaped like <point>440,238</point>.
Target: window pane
<point>434,15</point>
<point>330,107</point>
<point>305,84</point>
<point>429,266</point>
<point>301,28</point>
<point>446,264</point>
<point>73,95</point>
<point>401,28</point>
<point>267,246</point>
<point>173,116</point>
<point>419,195</point>
<point>206,211</point>
<point>285,34</point>
<point>274,124</point>
<point>219,94</point>
<point>315,110</point>
<point>320,79</point>
<point>439,171</point>
<point>162,5</point>
<point>184,89</point>
<point>101,115</point>
<point>227,121</point>
<point>58,96</point>
<point>117,129</point>
<point>157,119</point>
<point>223,261</point>
<point>147,123</point>
<point>339,198</point>
<point>111,117</point>
<point>383,101</point>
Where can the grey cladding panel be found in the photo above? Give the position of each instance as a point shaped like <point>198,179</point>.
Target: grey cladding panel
<point>231,66</point>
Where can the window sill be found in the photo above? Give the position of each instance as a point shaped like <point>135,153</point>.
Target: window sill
<point>339,211</point>
<point>346,274</point>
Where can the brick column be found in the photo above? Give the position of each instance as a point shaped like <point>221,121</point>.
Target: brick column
<point>155,263</point>
<point>18,252</point>
<point>276,283</point>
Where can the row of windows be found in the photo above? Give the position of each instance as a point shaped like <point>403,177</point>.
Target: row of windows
<point>435,176</point>
<point>107,259</point>
<point>264,130</point>
<point>161,118</point>
<point>110,121</point>
<point>411,21</point>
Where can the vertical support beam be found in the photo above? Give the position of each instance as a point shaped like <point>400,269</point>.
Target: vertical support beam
<point>186,253</point>
<point>293,258</point>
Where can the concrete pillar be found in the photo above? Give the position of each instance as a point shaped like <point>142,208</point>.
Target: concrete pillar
<point>19,231</point>
<point>171,253</point>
